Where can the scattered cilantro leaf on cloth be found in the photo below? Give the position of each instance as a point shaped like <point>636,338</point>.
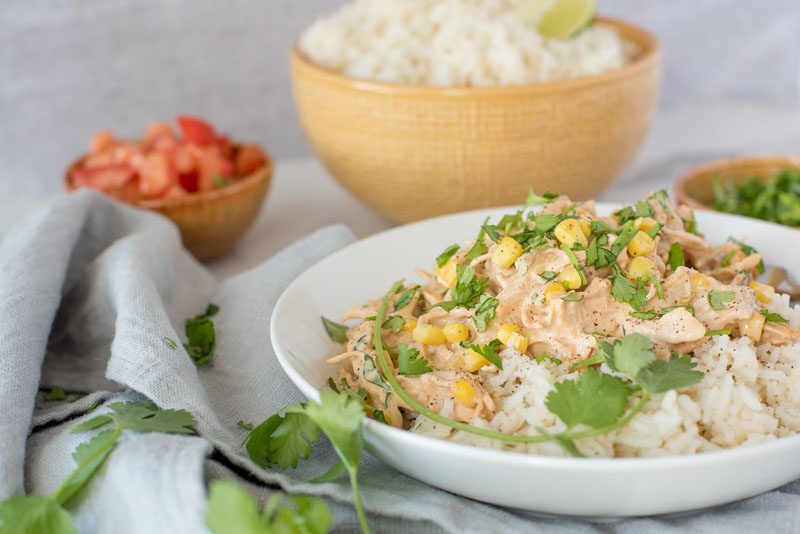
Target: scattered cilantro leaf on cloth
<point>409,362</point>
<point>676,258</point>
<point>142,416</point>
<point>231,509</point>
<point>595,399</point>
<point>170,343</point>
<point>241,424</point>
<point>336,331</point>
<point>773,317</point>
<point>56,393</point>
<point>35,514</point>
<point>718,299</point>
<point>201,336</point>
<point>282,439</point>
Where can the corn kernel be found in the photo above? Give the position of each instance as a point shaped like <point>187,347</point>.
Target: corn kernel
<point>517,342</point>
<point>472,361</point>
<point>465,393</point>
<point>569,232</point>
<point>508,250</point>
<point>570,278</point>
<point>586,227</point>
<point>428,334</point>
<point>447,274</point>
<point>752,327</point>
<point>505,332</point>
<point>553,291</point>
<point>645,224</point>
<point>640,245</point>
<point>455,332</point>
<point>409,325</point>
<point>764,293</point>
<point>700,281</point>
<point>639,268</point>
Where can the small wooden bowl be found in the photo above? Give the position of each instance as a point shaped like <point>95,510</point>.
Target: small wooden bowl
<point>695,187</point>
<point>211,222</point>
<point>413,152</point>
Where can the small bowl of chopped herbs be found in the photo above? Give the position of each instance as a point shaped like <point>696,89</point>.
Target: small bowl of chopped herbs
<point>766,188</point>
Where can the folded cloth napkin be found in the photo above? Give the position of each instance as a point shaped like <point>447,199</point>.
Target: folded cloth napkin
<point>90,289</point>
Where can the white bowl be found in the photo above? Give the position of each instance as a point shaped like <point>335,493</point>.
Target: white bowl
<point>596,488</point>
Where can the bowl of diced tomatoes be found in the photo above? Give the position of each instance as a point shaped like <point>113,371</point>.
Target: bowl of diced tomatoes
<point>210,187</point>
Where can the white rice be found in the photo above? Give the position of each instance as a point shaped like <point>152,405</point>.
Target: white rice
<point>450,43</point>
<point>749,395</point>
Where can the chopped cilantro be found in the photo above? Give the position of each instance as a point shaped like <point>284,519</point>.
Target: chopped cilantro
<point>726,259</point>
<point>718,299</point>
<point>445,256</point>
<point>646,315</point>
<point>201,337</point>
<point>170,343</point>
<point>623,290</point>
<point>534,200</point>
<point>548,276</point>
<point>675,256</point>
<point>336,331</point>
<point>656,283</point>
<point>572,297</point>
<point>748,250</point>
<point>405,298</point>
<point>394,323</point>
<point>56,394</point>
<point>574,261</point>
<point>720,332</point>
<point>773,317</point>
<point>488,351</point>
<point>409,362</point>
<point>467,290</point>
<point>479,248</point>
<point>484,312</point>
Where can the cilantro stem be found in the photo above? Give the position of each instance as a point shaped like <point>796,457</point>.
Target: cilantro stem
<point>362,517</point>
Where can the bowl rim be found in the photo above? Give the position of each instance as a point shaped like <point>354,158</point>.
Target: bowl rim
<point>246,183</point>
<point>649,58</point>
<point>723,164</point>
<point>512,458</point>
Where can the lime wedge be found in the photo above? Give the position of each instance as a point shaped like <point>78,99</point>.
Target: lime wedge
<point>559,19</point>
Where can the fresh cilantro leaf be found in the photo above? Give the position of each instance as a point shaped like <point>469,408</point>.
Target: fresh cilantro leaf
<point>332,474</point>
<point>170,343</point>
<point>654,231</point>
<point>510,222</point>
<point>627,232</point>
<point>395,323</point>
<point>378,416</point>
<point>232,509</point>
<point>630,354</point>
<point>546,222</point>
<point>443,258</point>
<point>646,315</point>
<point>624,215</point>
<point>534,200</point>
<point>643,209</point>
<point>484,312</point>
<point>668,309</point>
<point>372,374</point>
<point>142,416</point>
<point>655,282</point>
<point>726,259</point>
<point>663,375</point>
<point>720,332</point>
<point>601,227</point>
<point>691,225</point>
<point>340,418</point>
<point>595,399</point>
<point>56,394</point>
<point>201,338</point>
<point>597,358</point>
<point>479,248</point>
<point>467,290</point>
<point>572,297</point>
<point>491,231</point>
<point>211,309</point>
<point>488,351</point>
<point>409,362</point>
<point>574,261</point>
<point>336,331</point>
<point>282,439</point>
<point>242,424</point>
<point>676,258</point>
<point>548,276</point>
<point>623,290</point>
<point>405,298</point>
<point>718,299</point>
<point>773,317</point>
<point>34,514</point>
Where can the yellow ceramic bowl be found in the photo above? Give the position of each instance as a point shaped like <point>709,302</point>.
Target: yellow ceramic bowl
<point>211,222</point>
<point>695,187</point>
<point>413,152</point>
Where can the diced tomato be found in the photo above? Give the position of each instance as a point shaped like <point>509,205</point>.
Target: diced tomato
<point>185,159</point>
<point>196,131</point>
<point>164,143</point>
<point>156,130</point>
<point>225,146</point>
<point>100,141</point>
<point>157,175</point>
<point>212,164</point>
<point>107,178</point>
<point>188,181</point>
<point>249,158</point>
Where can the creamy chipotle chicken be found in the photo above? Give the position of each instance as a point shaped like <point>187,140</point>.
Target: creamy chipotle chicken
<point>554,282</point>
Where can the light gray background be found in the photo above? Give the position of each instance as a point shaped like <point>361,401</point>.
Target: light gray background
<point>71,67</point>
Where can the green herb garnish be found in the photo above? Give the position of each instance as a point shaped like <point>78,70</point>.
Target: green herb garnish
<point>409,362</point>
<point>336,331</point>
<point>718,299</point>
<point>676,258</point>
<point>445,256</point>
<point>720,332</point>
<point>773,317</point>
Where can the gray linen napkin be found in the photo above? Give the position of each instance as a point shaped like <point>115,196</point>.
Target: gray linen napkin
<point>90,288</point>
